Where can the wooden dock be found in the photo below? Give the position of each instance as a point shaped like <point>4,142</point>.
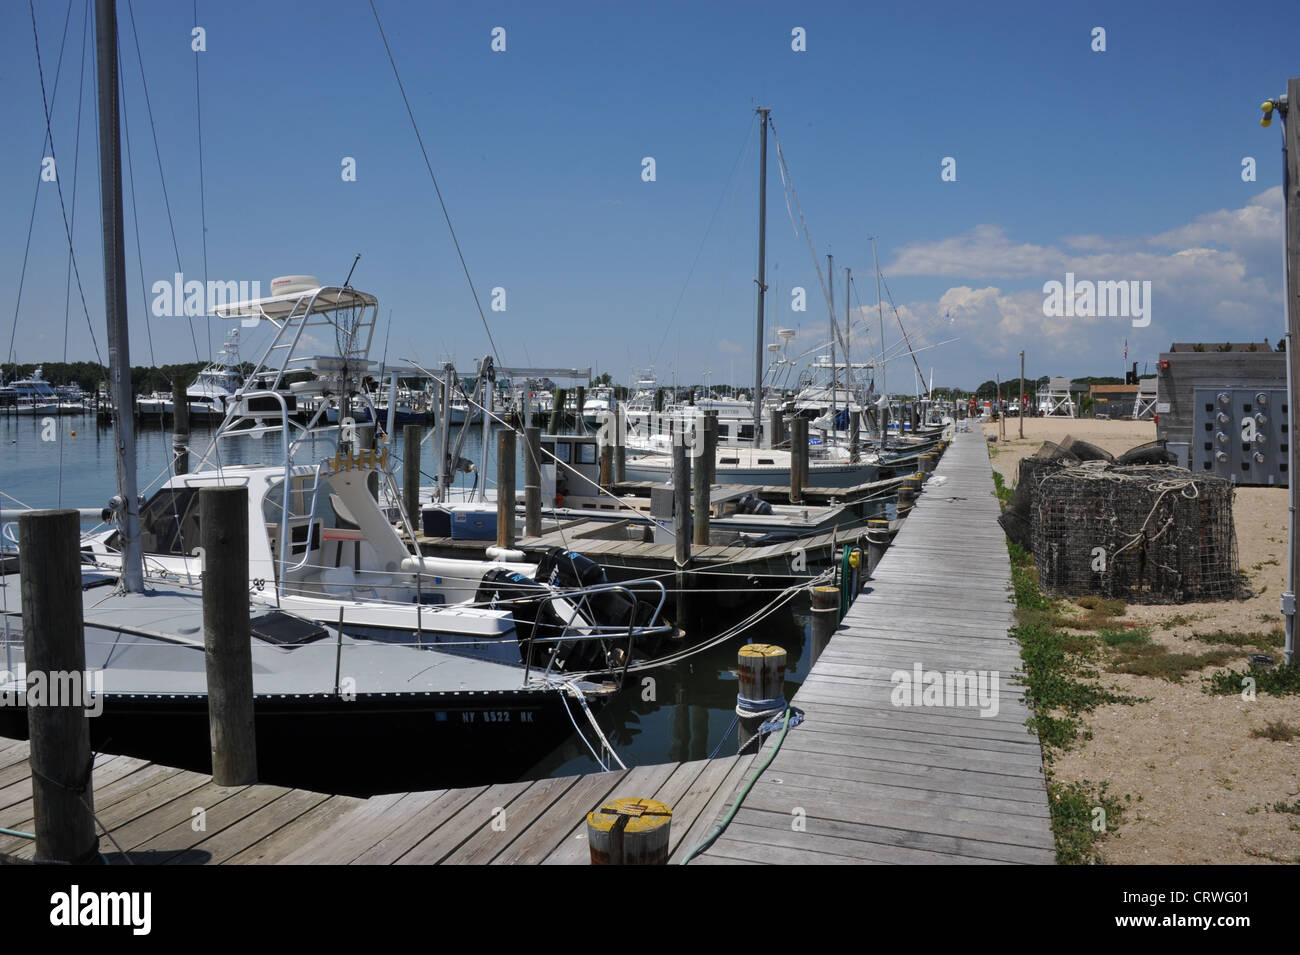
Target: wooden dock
<point>862,780</point>
<point>868,781</point>
<point>164,816</point>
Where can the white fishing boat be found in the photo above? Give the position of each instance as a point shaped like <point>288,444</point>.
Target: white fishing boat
<point>32,396</point>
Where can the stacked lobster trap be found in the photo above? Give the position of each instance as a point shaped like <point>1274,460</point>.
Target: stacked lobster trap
<point>1144,533</point>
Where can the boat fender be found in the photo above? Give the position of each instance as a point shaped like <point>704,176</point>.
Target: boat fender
<point>505,554</point>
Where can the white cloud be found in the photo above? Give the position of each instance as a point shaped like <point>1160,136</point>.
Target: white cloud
<point>1217,278</point>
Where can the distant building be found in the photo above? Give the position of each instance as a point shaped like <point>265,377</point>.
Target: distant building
<point>1113,401</point>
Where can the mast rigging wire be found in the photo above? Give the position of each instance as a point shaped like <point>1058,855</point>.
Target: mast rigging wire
<point>429,165</point>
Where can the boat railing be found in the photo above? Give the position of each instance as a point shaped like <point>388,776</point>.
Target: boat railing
<point>594,631</point>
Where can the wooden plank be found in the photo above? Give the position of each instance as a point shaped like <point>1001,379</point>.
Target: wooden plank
<point>416,828</point>
<point>173,844</point>
<point>321,817</point>
<point>549,830</point>
<point>270,818</point>
<point>523,812</point>
<point>461,827</point>
<point>359,829</point>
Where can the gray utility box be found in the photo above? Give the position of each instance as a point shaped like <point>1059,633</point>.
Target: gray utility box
<point>1241,434</point>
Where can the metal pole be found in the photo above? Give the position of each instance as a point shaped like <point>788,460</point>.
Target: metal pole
<point>1021,411</point>
<point>762,273</point>
<point>1291,196</point>
<point>830,283</point>
<point>119,352</point>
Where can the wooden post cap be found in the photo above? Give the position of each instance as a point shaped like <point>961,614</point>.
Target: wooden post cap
<point>825,598</point>
<point>629,832</point>
<point>761,650</point>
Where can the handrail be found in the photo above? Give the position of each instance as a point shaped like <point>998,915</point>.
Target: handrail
<point>598,631</point>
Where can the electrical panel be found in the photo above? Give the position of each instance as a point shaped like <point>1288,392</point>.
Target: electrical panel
<point>1242,434</point>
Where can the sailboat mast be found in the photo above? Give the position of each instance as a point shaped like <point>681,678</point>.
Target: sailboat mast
<point>762,274</point>
<point>119,353</point>
<point>881,306</point>
<point>830,284</point>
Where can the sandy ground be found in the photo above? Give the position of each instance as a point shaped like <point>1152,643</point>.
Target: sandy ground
<point>1199,782</point>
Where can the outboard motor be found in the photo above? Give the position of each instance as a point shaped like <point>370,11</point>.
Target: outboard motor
<point>611,608</point>
<point>753,504</point>
<point>566,568</point>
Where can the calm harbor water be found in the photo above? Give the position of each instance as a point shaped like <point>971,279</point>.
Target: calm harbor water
<point>679,712</point>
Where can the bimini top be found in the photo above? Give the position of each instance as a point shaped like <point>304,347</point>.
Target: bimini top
<point>319,298</point>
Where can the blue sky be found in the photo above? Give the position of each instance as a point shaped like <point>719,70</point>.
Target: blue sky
<point>1116,165</point>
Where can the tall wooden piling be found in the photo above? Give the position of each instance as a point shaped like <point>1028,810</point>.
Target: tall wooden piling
<point>532,482</point>
<point>710,456</point>
<point>579,403</point>
<point>798,457</point>
<point>620,444</point>
<point>54,646</point>
<point>701,491</point>
<point>411,435</point>
<point>557,412</point>
<point>877,542</point>
<point>855,452</point>
<point>506,488</point>
<point>180,428</point>
<point>825,617</point>
<point>775,428</point>
<point>223,522</point>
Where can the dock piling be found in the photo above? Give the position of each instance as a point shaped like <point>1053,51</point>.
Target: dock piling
<point>532,482</point>
<point>825,617</point>
<point>223,526</point>
<point>54,645</point>
<point>701,489</point>
<point>775,428</point>
<point>620,444</point>
<point>760,693</point>
<point>411,434</point>
<point>180,429</point>
<point>629,832</point>
<point>798,458</point>
<point>506,488</point>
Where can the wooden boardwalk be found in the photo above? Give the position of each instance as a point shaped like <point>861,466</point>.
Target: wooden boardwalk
<point>164,816</point>
<point>869,781</point>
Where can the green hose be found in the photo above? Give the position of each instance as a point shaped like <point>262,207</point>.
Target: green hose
<point>735,807</point>
<point>15,832</point>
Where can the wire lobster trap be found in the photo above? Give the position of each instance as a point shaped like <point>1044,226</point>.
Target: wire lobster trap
<point>1141,533</point>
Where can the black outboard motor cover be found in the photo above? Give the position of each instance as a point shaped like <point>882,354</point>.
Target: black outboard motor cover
<point>566,568</point>
<point>522,596</point>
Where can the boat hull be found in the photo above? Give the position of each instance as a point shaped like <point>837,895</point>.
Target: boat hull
<point>368,744</point>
